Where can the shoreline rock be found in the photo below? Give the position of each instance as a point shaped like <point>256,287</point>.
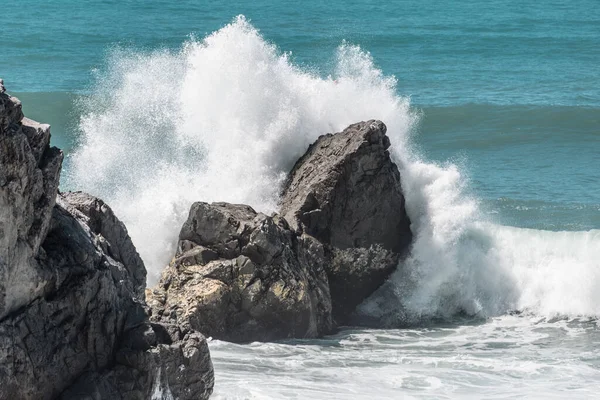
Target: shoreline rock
<point>73,322</point>
<point>242,276</point>
<point>29,177</point>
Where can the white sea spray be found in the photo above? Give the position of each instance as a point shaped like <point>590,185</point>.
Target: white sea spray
<point>225,118</point>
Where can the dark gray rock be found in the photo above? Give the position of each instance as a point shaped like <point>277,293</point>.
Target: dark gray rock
<point>148,369</point>
<point>29,177</point>
<point>73,322</point>
<point>346,192</point>
<point>243,276</point>
<point>112,235</point>
<point>90,336</point>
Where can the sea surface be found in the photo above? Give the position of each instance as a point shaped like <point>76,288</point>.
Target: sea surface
<point>493,110</point>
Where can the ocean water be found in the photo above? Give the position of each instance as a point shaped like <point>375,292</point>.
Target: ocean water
<point>493,111</point>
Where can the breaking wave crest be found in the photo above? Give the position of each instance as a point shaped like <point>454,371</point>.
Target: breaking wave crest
<point>224,119</point>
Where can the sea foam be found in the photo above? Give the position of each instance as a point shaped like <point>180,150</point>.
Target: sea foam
<point>224,119</point>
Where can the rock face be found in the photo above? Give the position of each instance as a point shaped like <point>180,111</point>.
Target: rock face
<point>243,276</point>
<point>29,176</point>
<point>346,192</point>
<point>112,236</point>
<point>73,323</point>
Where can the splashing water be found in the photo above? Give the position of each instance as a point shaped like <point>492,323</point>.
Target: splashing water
<point>225,118</point>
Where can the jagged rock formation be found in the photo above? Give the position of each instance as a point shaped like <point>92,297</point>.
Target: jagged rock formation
<point>243,276</point>
<point>112,235</point>
<point>239,275</point>
<point>29,176</point>
<point>73,323</point>
<point>346,192</point>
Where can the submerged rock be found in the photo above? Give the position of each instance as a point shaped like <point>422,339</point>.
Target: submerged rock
<point>73,323</point>
<point>346,192</point>
<point>242,276</point>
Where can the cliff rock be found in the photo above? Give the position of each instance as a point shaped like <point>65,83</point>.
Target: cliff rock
<point>29,177</point>
<point>73,322</point>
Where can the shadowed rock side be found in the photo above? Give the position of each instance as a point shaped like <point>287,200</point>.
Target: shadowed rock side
<point>73,323</point>
<point>29,177</point>
<point>112,235</point>
<point>346,192</point>
<point>243,276</point>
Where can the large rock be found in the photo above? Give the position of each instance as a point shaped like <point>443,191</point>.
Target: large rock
<point>346,192</point>
<point>29,177</point>
<point>73,323</point>
<point>242,276</point>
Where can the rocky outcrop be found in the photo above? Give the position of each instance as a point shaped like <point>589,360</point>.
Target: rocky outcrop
<point>346,192</point>
<point>73,322</point>
<point>240,275</point>
<point>29,177</point>
<point>243,276</point>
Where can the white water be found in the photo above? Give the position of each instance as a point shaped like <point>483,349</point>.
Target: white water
<point>226,117</point>
<point>507,357</point>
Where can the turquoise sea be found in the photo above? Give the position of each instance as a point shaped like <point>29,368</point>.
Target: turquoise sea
<point>493,109</point>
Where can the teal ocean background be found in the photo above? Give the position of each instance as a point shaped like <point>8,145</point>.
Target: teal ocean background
<point>510,89</point>
<point>493,109</point>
